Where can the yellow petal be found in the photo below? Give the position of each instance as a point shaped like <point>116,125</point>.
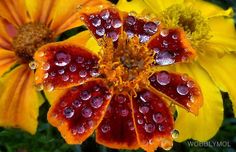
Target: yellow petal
<point>55,95</point>
<point>14,11</point>
<point>209,9</point>
<point>80,38</point>
<point>160,5</point>
<point>7,60</point>
<point>19,100</point>
<point>92,45</point>
<point>206,124</point>
<point>7,32</point>
<point>222,72</point>
<point>134,5</point>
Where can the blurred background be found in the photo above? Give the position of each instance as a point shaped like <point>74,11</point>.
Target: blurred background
<point>48,139</point>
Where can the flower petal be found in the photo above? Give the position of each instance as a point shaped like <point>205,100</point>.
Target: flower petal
<point>117,129</point>
<point>171,46</point>
<point>221,70</point>
<point>55,95</point>
<point>223,35</point>
<point>160,5</point>
<point>153,121</point>
<point>134,5</point>
<point>7,60</point>
<point>180,89</point>
<point>64,64</point>
<point>206,124</point>
<point>19,100</point>
<point>14,11</point>
<point>78,113</point>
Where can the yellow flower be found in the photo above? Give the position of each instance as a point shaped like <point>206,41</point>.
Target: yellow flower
<point>26,25</point>
<point>210,30</point>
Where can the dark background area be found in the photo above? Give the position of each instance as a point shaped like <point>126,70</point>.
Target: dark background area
<point>48,139</point>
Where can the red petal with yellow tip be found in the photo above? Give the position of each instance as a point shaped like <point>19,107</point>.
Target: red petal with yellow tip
<point>117,128</point>
<point>61,65</point>
<point>153,120</point>
<point>78,113</point>
<point>106,22</point>
<point>171,46</point>
<point>180,89</point>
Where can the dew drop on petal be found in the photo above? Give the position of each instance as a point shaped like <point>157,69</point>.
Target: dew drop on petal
<point>174,36</point>
<point>175,134</point>
<point>161,128</point>
<point>82,73</point>
<point>94,72</point>
<point>116,23</point>
<point>96,102</point>
<point>158,118</point>
<point>140,121</point>
<point>163,78</point>
<point>165,58</point>
<point>113,35</point>
<point>149,128</point>
<point>49,87</point>
<point>33,65</point>
<point>87,112</point>
<point>182,90</point>
<point>100,31</point>
<point>124,112</point>
<point>130,20</point>
<point>72,68</point>
<point>39,87</point>
<point>62,58</point>
<point>150,28</point>
<point>164,32</point>
<point>143,109</point>
<point>96,21</point>
<point>85,95</point>
<point>80,130</point>
<point>61,71</point>
<point>80,59</point>
<point>105,128</point>
<point>77,103</point>
<point>143,38</point>
<point>190,84</point>
<point>130,34</point>
<point>105,14</point>
<point>68,112</point>
<point>46,66</point>
<point>65,77</point>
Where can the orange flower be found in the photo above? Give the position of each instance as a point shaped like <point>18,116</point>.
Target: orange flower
<point>121,91</point>
<point>26,25</point>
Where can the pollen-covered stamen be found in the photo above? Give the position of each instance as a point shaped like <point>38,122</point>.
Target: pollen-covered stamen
<point>128,65</point>
<point>180,89</point>
<point>29,38</point>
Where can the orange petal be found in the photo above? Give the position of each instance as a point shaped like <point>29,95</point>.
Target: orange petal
<point>153,121</point>
<point>62,65</point>
<point>55,95</point>
<point>14,11</point>
<point>7,60</point>
<point>180,89</point>
<point>78,113</point>
<point>117,129</point>
<point>171,46</point>
<point>19,100</point>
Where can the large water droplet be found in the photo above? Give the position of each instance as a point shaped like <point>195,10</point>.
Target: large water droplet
<point>105,128</point>
<point>164,32</point>
<point>143,109</point>
<point>182,90</point>
<point>33,65</point>
<point>130,34</point>
<point>149,128</point>
<point>150,28</point>
<point>85,95</point>
<point>96,102</point>
<point>130,20</point>
<point>113,35</point>
<point>62,58</point>
<point>87,112</point>
<point>105,14</point>
<point>83,73</point>
<point>100,31</point>
<point>116,23</point>
<point>140,121</point>
<point>68,112</point>
<point>77,103</point>
<point>65,77</point>
<point>94,72</point>
<point>163,78</point>
<point>46,66</point>
<point>165,58</point>
<point>143,38</point>
<point>190,84</point>
<point>96,21</point>
<point>80,129</point>
<point>158,118</point>
<point>175,134</point>
<point>73,68</point>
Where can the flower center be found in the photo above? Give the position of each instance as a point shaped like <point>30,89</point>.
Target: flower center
<point>29,38</point>
<point>128,65</point>
<point>191,20</point>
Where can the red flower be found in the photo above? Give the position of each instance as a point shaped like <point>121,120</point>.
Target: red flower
<point>122,91</point>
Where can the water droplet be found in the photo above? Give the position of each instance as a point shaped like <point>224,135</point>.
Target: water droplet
<point>158,118</point>
<point>69,112</point>
<point>53,74</point>
<point>80,59</point>
<point>161,128</point>
<point>182,90</point>
<point>96,21</point>
<point>33,65</point>
<point>87,112</point>
<point>46,66</point>
<point>77,103</point>
<point>190,84</point>
<point>105,128</point>
<point>131,125</point>
<point>80,129</point>
<point>167,148</point>
<point>120,98</point>
<point>140,121</point>
<point>39,87</point>
<point>61,71</point>
<point>116,23</point>
<point>164,32</point>
<point>82,18</point>
<point>124,112</point>
<point>72,68</point>
<point>144,96</point>
<point>132,13</point>
<point>85,95</point>
<point>96,102</point>
<point>149,128</point>
<point>105,14</point>
<point>130,20</point>
<point>165,58</point>
<point>175,134</point>
<point>100,31</point>
<point>45,75</point>
<point>130,34</point>
<point>163,78</point>
<point>113,35</point>
<point>94,72</point>
<point>90,123</point>
<point>165,43</point>
<point>82,73</point>
<point>65,77</point>
<point>96,88</point>
<point>143,109</point>
<point>174,36</point>
<point>49,87</point>
<point>150,28</point>
<point>184,77</point>
<point>62,58</point>
<point>143,38</point>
